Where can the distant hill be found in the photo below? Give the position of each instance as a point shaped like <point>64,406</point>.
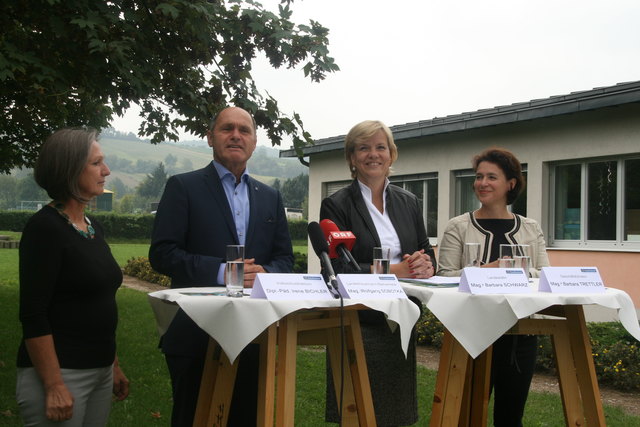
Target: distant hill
<point>131,159</point>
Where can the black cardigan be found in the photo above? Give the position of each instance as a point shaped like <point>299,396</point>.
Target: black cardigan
<point>68,289</point>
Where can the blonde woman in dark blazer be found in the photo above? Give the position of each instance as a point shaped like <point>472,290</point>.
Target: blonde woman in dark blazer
<point>380,214</point>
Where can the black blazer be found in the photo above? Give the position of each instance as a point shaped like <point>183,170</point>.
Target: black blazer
<point>193,226</point>
<point>347,209</point>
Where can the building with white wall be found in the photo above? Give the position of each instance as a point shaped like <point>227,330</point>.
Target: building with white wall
<point>581,154</point>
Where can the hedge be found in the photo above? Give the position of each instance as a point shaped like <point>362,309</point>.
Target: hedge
<point>14,220</point>
<point>141,268</point>
<point>123,226</point>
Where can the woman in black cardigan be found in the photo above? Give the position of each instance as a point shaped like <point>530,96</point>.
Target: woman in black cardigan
<point>67,367</point>
<point>380,214</point>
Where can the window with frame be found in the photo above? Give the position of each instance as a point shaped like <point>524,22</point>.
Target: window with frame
<point>596,203</point>
<point>466,200</point>
<point>423,186</point>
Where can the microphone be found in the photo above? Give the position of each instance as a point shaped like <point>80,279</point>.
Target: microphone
<point>340,242</point>
<point>320,248</point>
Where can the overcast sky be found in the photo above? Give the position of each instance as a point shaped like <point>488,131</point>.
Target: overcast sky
<point>408,60</point>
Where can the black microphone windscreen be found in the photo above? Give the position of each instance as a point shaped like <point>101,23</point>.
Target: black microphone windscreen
<point>317,238</point>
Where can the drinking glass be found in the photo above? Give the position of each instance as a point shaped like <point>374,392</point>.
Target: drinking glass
<point>381,260</point>
<point>522,258</point>
<point>234,273</point>
<point>472,254</point>
<point>507,254</point>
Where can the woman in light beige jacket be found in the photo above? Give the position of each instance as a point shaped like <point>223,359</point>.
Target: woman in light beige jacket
<point>498,183</point>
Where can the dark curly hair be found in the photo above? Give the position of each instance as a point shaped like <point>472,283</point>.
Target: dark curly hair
<point>509,164</point>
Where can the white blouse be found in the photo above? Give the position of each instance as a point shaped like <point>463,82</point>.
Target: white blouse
<point>384,227</point>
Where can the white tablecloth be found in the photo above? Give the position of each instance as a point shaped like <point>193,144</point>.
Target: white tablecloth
<point>235,322</point>
<point>476,321</point>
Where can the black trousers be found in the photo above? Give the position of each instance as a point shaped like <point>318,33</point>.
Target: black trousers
<point>186,373</point>
<point>512,366</point>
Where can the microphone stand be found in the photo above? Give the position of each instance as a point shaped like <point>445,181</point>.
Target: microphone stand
<point>332,284</point>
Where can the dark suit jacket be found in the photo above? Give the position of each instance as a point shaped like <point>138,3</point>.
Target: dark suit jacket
<point>347,209</point>
<point>193,226</point>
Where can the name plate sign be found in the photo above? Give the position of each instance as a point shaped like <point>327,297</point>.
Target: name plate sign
<point>571,280</point>
<point>370,286</point>
<point>479,281</point>
<point>280,286</point>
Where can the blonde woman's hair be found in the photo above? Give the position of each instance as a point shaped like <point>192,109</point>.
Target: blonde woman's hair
<point>363,131</point>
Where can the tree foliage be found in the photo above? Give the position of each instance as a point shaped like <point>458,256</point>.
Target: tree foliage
<point>118,187</point>
<point>14,190</point>
<point>154,182</point>
<point>294,191</point>
<point>80,62</point>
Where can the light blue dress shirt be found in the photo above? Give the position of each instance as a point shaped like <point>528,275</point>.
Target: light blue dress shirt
<point>238,198</point>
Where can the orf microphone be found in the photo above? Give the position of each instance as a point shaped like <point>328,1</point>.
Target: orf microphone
<point>340,242</point>
<point>321,249</point>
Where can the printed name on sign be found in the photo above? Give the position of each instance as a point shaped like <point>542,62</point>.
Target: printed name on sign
<point>370,286</point>
<point>571,280</point>
<point>477,280</point>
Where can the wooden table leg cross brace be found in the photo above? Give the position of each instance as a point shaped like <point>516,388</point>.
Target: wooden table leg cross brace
<point>462,385</point>
<point>305,327</point>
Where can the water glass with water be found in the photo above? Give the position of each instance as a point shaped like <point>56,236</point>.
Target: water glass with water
<point>523,258</point>
<point>234,272</point>
<point>381,260</point>
<point>472,255</point>
<point>507,254</point>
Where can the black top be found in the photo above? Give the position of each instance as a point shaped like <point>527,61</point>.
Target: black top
<point>499,228</point>
<point>68,285</point>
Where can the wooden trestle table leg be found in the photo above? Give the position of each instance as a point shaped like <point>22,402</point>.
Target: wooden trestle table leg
<point>358,403</point>
<point>218,380</point>
<point>454,366</point>
<point>216,388</point>
<point>584,366</point>
<point>267,376</point>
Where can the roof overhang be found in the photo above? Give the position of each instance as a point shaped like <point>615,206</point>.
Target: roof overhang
<point>575,102</point>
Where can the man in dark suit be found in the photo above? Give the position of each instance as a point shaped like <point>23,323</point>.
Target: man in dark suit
<point>199,214</point>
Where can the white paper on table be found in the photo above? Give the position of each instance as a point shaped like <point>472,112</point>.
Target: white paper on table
<point>283,286</point>
<point>434,280</point>
<point>370,286</point>
<point>486,281</point>
<point>571,280</point>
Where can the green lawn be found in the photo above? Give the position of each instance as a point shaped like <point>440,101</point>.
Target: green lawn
<point>123,252</point>
<point>300,246</point>
<point>150,400</point>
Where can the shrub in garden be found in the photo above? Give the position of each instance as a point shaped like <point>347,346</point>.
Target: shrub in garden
<point>429,330</point>
<point>615,355</point>
<point>299,262</point>
<point>619,365</point>
<point>298,229</point>
<point>139,267</point>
